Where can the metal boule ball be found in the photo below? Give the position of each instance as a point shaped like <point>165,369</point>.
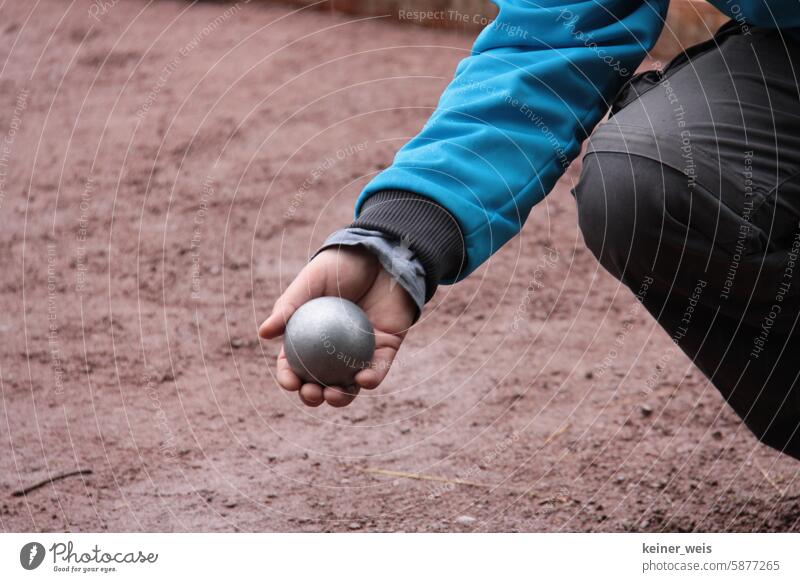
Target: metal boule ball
<point>328,340</point>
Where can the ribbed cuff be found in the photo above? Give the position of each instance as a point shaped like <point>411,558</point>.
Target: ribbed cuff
<point>428,229</point>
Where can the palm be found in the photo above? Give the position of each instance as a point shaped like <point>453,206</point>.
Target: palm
<point>356,275</point>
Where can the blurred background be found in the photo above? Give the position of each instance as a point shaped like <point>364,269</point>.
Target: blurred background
<point>688,21</point>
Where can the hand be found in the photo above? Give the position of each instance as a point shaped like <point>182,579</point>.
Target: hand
<point>356,274</point>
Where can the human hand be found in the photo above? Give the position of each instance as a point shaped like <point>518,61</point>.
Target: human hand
<point>355,274</point>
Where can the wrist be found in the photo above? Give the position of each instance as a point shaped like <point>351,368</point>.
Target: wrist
<point>388,254</point>
<point>421,225</point>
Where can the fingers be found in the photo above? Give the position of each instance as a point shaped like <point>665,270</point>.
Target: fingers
<point>369,378</point>
<point>382,359</point>
<point>311,395</point>
<point>386,346</point>
<point>285,376</point>
<point>339,397</point>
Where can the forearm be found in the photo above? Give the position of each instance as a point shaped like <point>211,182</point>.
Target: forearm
<point>506,128</point>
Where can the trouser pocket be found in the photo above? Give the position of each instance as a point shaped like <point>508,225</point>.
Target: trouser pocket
<point>643,82</point>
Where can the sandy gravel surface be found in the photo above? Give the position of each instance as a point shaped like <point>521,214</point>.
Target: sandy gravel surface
<point>167,168</point>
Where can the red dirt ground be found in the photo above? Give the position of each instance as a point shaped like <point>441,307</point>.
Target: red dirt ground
<point>168,168</point>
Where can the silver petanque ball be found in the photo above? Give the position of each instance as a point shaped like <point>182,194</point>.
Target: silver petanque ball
<point>328,340</point>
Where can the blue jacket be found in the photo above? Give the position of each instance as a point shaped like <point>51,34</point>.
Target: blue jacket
<point>539,78</point>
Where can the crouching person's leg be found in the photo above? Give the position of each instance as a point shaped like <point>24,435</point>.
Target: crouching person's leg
<point>712,289</point>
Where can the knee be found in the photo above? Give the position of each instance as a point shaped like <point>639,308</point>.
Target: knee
<point>614,212</point>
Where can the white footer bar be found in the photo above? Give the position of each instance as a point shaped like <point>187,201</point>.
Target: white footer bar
<point>401,557</point>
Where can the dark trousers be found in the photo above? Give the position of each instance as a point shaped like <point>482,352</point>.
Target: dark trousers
<point>690,195</point>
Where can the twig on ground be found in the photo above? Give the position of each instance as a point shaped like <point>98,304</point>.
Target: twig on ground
<point>421,477</point>
<point>558,432</point>
<point>769,479</point>
<point>49,480</point>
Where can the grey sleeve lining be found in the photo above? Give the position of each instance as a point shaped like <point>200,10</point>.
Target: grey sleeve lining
<point>427,228</point>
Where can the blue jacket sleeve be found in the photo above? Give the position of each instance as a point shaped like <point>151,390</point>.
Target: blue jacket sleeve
<point>538,79</point>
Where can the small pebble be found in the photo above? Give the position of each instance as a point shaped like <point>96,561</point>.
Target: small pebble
<point>465,520</point>
<point>646,410</point>
<point>237,343</point>
<point>354,525</point>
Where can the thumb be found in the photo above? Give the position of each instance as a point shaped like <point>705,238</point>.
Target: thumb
<point>304,288</point>
<point>275,324</point>
<point>350,272</point>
